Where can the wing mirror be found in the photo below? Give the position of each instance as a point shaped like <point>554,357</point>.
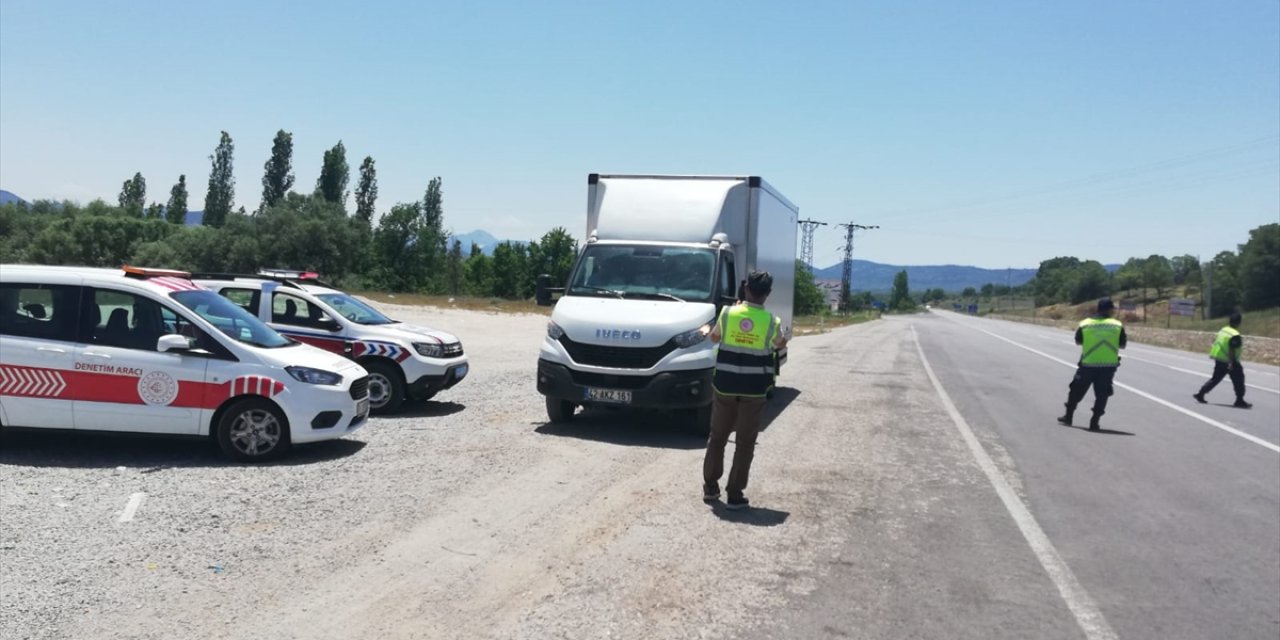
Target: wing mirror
<point>173,342</point>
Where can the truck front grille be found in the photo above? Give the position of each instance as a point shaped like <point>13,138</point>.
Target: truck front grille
<point>617,357</point>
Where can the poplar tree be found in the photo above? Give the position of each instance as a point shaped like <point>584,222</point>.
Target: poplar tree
<point>367,191</point>
<point>222,183</point>
<point>277,176</point>
<point>176,210</point>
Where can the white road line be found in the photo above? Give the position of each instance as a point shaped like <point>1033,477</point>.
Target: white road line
<point>1082,606</point>
<point>135,501</point>
<point>1201,374</point>
<point>1205,419</point>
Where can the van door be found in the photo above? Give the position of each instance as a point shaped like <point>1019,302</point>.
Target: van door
<point>134,386</point>
<point>37,349</point>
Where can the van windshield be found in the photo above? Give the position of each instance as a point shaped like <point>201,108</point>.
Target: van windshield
<point>231,319</point>
<point>353,309</point>
<point>645,271</point>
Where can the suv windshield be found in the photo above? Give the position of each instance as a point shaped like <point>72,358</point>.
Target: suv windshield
<point>231,319</point>
<point>644,271</point>
<point>353,309</point>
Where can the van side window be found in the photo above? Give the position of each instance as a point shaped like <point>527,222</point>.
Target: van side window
<point>121,319</point>
<point>41,311</point>
<point>727,276</point>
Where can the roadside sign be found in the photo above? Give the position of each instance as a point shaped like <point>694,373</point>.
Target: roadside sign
<point>1182,307</point>
<point>1128,305</point>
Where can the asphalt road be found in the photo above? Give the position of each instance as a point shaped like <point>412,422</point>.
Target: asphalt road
<point>1166,524</point>
<point>911,482</point>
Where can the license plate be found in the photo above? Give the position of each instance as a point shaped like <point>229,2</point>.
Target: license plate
<point>460,372</point>
<point>621,396</point>
<point>362,408</point>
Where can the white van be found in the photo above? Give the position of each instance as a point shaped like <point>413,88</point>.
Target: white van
<point>148,350</point>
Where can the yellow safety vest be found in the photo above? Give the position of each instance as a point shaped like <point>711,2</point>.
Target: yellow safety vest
<point>1101,346</point>
<point>745,358</point>
<point>1221,350</point>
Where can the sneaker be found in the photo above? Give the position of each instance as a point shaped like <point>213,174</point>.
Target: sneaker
<point>1199,397</point>
<point>1093,425</point>
<point>1064,420</point>
<point>737,502</point>
<point>710,491</point>
<point>1241,404</point>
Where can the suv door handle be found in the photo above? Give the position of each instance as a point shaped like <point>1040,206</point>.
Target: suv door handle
<point>91,354</point>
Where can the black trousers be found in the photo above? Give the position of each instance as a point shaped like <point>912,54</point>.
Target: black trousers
<point>1100,378</point>
<point>1221,370</point>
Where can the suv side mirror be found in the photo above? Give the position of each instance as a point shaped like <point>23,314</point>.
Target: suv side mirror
<point>328,324</point>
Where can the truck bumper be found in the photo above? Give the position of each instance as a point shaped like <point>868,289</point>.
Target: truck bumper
<point>668,390</point>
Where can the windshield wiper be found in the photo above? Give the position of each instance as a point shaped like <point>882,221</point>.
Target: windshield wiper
<point>612,292</point>
<point>657,294</point>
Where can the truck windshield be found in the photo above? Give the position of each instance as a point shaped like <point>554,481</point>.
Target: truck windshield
<point>231,319</point>
<point>353,309</point>
<point>645,271</point>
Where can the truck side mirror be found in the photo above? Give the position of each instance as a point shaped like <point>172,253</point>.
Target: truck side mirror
<point>543,291</point>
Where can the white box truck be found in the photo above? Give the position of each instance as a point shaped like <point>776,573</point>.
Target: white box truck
<point>663,255</point>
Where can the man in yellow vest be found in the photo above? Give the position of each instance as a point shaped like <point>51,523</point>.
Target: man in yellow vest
<point>749,336</point>
<point>1100,338</point>
<point>1226,360</point>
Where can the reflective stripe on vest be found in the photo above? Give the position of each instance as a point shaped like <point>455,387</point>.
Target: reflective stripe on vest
<point>1221,350</point>
<point>1101,346</point>
<point>745,357</point>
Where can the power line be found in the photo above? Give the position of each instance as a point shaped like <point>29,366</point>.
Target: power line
<point>846,277</point>
<point>807,228</point>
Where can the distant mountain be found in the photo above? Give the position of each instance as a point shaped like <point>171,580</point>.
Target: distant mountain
<point>7,197</point>
<point>873,276</point>
<point>481,237</point>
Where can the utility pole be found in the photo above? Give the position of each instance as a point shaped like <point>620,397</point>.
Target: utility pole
<point>807,227</point>
<point>846,278</point>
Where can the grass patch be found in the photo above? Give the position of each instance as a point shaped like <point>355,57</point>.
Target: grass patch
<point>471,303</point>
<point>818,324</point>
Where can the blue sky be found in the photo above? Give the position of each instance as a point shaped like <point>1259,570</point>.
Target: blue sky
<point>986,133</point>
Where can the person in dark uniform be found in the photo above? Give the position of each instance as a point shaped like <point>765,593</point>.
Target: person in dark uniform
<point>1225,352</point>
<point>1101,338</point>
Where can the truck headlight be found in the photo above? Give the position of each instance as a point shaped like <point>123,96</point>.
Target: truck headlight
<point>429,349</point>
<point>314,376</point>
<point>691,338</point>
<point>554,331</point>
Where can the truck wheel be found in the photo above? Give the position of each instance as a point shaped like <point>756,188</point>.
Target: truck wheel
<point>560,410</point>
<point>386,387</point>
<point>253,430</point>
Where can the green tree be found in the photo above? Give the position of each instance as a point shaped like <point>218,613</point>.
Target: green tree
<point>455,269</point>
<point>510,271</point>
<point>553,255</point>
<point>1055,280</point>
<point>900,298</point>
<point>1159,274</point>
<point>133,195</point>
<point>1223,284</point>
<point>1260,268</point>
<point>809,298</point>
<point>1129,276</point>
<point>1091,282</point>
<point>969,292</point>
<point>221,196</point>
<point>334,175</point>
<point>433,238</point>
<point>1186,270</point>
<point>479,272</point>
<point>307,232</point>
<point>366,192</point>
<point>277,176</point>
<point>988,290</point>
<point>397,248</point>
<point>176,210</point>
<point>155,210</point>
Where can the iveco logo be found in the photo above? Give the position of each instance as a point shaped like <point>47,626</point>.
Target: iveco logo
<point>617,334</point>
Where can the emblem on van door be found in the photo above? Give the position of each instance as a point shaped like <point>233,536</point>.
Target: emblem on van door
<point>617,334</point>
<point>157,388</point>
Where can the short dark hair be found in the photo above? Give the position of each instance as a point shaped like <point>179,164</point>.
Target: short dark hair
<point>760,282</point>
<point>1105,305</point>
<point>1236,319</point>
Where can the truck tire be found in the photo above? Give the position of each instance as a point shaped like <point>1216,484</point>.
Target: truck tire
<point>560,410</point>
<point>386,387</point>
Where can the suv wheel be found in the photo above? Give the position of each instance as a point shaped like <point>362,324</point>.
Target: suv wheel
<point>386,387</point>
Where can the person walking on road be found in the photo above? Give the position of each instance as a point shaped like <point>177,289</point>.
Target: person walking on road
<point>1226,361</point>
<point>1101,338</point>
<point>748,336</point>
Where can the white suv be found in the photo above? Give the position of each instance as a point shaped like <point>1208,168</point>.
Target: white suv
<point>404,360</point>
<point>147,350</point>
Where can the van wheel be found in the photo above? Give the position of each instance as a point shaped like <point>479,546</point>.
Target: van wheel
<point>386,387</point>
<point>560,410</point>
<point>253,430</point>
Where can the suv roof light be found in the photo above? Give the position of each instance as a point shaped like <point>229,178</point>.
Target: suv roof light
<point>289,273</point>
<point>144,272</point>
